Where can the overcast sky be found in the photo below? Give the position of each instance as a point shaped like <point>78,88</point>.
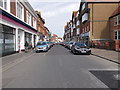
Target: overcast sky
<point>56,13</point>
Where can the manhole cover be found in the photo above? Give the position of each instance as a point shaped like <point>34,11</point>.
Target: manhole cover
<point>109,78</point>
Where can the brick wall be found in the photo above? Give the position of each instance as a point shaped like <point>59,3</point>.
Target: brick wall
<point>13,7</point>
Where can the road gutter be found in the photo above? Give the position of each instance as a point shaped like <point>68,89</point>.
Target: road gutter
<point>114,61</point>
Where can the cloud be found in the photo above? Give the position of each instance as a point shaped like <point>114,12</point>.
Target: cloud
<point>56,14</point>
<point>60,10</point>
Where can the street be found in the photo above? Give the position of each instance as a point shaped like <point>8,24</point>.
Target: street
<point>59,68</point>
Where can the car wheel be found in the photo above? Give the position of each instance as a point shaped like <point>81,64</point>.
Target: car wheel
<point>36,51</point>
<point>88,53</point>
<point>74,52</point>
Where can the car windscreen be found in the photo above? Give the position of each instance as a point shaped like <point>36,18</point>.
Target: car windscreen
<point>81,44</point>
<point>41,43</point>
<point>71,43</point>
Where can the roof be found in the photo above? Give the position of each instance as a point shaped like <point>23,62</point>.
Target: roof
<point>116,12</point>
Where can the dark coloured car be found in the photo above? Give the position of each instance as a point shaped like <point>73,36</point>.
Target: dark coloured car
<point>80,48</point>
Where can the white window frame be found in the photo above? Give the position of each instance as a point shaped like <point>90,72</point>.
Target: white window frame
<point>78,31</point>
<point>117,34</point>
<point>7,5</point>
<point>78,23</point>
<point>118,19</point>
<point>115,24</point>
<point>34,22</point>
<point>83,6</point>
<point>22,17</point>
<point>85,17</point>
<point>29,23</point>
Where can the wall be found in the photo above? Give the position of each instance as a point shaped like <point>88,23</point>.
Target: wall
<point>99,14</point>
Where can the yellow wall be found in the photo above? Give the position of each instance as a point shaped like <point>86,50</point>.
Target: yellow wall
<point>99,14</point>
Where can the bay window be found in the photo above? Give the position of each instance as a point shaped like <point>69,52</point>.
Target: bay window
<point>117,35</point>
<point>117,20</point>
<point>85,17</point>
<point>83,6</point>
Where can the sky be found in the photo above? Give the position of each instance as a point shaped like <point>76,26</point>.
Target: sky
<point>56,13</point>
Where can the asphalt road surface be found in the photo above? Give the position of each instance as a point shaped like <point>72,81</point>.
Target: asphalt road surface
<point>57,68</point>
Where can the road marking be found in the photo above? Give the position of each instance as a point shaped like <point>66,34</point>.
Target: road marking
<point>9,65</point>
<point>103,69</point>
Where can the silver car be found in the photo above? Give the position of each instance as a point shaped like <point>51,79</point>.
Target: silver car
<point>41,46</point>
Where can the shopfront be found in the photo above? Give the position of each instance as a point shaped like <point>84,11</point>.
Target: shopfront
<point>28,37</point>
<point>7,40</point>
<point>85,38</point>
<point>34,40</point>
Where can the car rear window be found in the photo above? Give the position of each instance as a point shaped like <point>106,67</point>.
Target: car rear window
<point>41,43</point>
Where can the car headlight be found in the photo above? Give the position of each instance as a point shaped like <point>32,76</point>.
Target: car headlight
<point>44,47</point>
<point>77,47</point>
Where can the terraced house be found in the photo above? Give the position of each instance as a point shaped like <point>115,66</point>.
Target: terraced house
<point>97,24</point>
<point>18,23</point>
<point>115,29</point>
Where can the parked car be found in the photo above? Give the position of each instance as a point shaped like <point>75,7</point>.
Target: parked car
<point>51,44</point>
<point>80,48</point>
<point>70,45</point>
<point>66,44</point>
<point>41,46</point>
<point>48,43</point>
<point>62,43</point>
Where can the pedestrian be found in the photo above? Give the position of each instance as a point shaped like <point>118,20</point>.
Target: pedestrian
<point>31,47</point>
<point>26,46</point>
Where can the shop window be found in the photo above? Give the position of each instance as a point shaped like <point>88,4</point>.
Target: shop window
<point>115,35</point>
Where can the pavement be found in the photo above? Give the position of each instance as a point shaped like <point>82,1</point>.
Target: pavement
<point>59,68</point>
<point>110,55</point>
<point>14,57</point>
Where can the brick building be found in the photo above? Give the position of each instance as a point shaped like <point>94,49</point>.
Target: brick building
<point>18,24</point>
<point>74,28</point>
<point>115,29</point>
<point>94,21</point>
